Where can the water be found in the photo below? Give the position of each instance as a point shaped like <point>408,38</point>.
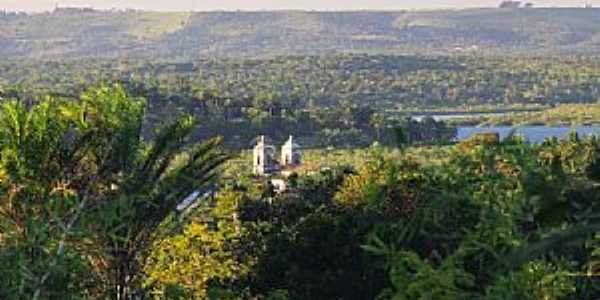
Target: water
<point>447,117</point>
<point>533,134</point>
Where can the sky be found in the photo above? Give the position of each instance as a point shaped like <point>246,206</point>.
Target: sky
<point>207,5</point>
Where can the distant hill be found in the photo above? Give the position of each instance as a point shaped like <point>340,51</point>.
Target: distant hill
<point>68,33</point>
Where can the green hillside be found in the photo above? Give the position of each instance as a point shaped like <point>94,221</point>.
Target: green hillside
<point>84,32</point>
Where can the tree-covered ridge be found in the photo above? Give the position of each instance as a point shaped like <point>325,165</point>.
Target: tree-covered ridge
<point>386,81</point>
<point>89,33</point>
<point>337,100</point>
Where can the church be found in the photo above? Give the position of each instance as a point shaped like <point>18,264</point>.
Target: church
<point>265,160</point>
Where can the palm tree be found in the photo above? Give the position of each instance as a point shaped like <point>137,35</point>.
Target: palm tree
<point>83,171</point>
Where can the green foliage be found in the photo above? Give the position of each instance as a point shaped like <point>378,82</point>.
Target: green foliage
<point>414,278</point>
<point>39,208</point>
<point>83,194</point>
<point>206,251</point>
<point>535,280</point>
<point>89,196</point>
<point>512,192</point>
<point>337,100</point>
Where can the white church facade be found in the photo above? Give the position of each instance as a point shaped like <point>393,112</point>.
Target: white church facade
<point>265,156</point>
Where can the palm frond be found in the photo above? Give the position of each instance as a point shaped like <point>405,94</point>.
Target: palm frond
<point>575,234</point>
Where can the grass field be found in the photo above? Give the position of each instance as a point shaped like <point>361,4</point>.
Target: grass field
<point>153,25</point>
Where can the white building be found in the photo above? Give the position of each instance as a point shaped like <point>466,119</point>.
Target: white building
<point>263,158</point>
<point>290,153</point>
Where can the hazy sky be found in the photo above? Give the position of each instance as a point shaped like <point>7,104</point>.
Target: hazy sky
<point>41,5</point>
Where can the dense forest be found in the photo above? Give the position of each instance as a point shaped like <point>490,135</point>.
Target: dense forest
<point>340,100</point>
<point>90,209</point>
<point>73,32</point>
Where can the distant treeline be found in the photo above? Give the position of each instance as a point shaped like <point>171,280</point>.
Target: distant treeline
<point>327,100</point>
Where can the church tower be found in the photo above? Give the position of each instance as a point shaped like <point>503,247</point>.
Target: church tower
<point>263,157</point>
<point>290,153</point>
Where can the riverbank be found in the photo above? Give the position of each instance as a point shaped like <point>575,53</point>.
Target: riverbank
<point>566,115</point>
<point>532,134</point>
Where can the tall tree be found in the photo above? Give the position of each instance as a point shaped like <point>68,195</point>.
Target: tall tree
<point>81,183</point>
